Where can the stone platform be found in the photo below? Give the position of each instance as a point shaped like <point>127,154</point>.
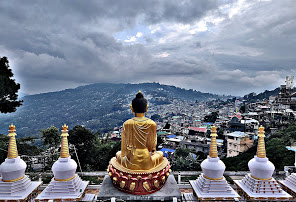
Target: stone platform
<point>168,192</point>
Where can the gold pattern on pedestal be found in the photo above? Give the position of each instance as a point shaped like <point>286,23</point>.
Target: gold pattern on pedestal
<point>12,148</point>
<point>261,153</point>
<point>64,146</point>
<point>213,146</point>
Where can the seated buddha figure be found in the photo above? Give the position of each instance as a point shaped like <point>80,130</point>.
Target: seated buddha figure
<point>138,140</point>
<point>138,168</point>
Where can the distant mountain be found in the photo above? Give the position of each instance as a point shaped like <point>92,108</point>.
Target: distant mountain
<point>99,107</point>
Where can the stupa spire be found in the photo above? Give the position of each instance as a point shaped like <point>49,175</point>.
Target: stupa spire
<point>261,153</point>
<point>64,147</point>
<point>213,146</point>
<point>12,148</point>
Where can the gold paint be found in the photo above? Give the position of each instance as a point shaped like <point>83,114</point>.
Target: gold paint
<point>114,179</point>
<point>213,146</point>
<point>121,174</point>
<point>146,186</point>
<point>167,174</point>
<point>156,183</point>
<point>129,176</point>
<point>64,146</point>
<point>12,148</point>
<point>132,186</point>
<point>107,170</point>
<point>14,179</point>
<point>139,177</point>
<point>261,153</point>
<point>138,140</point>
<point>115,170</point>
<point>170,170</point>
<point>163,179</point>
<point>64,179</point>
<point>110,174</point>
<point>260,178</point>
<point>122,184</point>
<point>150,176</point>
<point>220,178</point>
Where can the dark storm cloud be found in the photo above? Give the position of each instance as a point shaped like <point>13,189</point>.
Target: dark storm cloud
<point>60,44</point>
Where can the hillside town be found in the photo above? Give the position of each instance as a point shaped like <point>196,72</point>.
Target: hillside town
<point>187,124</point>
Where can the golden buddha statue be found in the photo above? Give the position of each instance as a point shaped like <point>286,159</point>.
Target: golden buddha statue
<point>138,168</point>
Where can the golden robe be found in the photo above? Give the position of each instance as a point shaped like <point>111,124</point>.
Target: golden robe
<point>138,142</point>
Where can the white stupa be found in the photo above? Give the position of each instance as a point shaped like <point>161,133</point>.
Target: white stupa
<point>65,185</point>
<point>211,184</point>
<point>14,184</point>
<point>259,184</point>
<point>289,184</point>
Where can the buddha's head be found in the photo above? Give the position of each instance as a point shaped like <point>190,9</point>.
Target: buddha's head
<point>139,104</point>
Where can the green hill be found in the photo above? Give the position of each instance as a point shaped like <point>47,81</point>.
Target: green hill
<point>99,107</point>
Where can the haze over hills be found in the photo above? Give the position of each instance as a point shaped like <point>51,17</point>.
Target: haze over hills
<point>99,107</point>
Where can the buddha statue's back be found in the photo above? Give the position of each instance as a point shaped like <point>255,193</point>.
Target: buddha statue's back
<point>138,168</point>
<point>138,142</point>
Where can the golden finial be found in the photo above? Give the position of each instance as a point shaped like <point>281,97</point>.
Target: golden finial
<point>12,127</point>
<point>139,91</point>
<point>65,127</point>
<point>12,148</point>
<point>213,146</point>
<point>65,130</point>
<point>261,153</point>
<point>64,146</point>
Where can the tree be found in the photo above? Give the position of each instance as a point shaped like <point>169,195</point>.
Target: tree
<point>51,136</point>
<point>243,109</point>
<point>81,137</point>
<point>8,88</point>
<point>211,117</point>
<point>3,147</point>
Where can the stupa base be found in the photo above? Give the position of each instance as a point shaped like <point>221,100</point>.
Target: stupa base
<point>20,190</point>
<point>138,182</point>
<point>206,189</point>
<point>255,189</point>
<point>289,184</point>
<point>168,192</point>
<point>71,190</point>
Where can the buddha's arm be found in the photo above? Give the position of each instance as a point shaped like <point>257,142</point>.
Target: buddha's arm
<point>123,143</point>
<point>152,139</point>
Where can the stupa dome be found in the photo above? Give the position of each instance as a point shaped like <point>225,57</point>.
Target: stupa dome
<point>260,166</point>
<point>13,168</point>
<point>65,167</point>
<point>213,167</point>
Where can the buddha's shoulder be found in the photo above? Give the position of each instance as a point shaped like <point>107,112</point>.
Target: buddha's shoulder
<point>133,121</point>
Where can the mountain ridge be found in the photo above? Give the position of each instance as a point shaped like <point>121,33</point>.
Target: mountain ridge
<point>99,106</point>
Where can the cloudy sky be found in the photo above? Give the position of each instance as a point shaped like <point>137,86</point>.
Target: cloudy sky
<point>225,47</point>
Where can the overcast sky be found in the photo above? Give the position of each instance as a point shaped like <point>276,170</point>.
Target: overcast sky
<point>224,47</point>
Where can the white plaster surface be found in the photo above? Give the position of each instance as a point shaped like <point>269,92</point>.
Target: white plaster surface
<point>64,168</point>
<point>261,188</point>
<point>290,182</point>
<point>17,190</point>
<point>205,188</point>
<point>71,189</point>
<point>12,169</point>
<point>261,167</point>
<point>213,167</point>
